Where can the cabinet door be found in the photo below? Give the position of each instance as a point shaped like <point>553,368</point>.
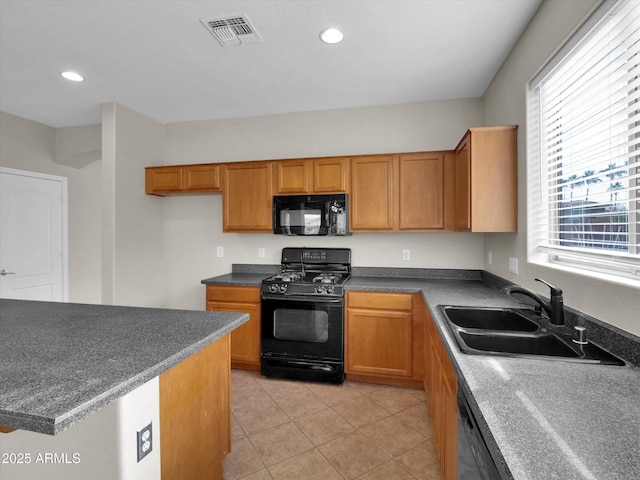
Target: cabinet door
<point>463,185</point>
<point>372,187</point>
<point>421,194</point>
<point>245,340</point>
<point>292,176</point>
<point>435,388</point>
<point>330,175</point>
<point>449,459</point>
<point>163,180</point>
<point>247,197</point>
<point>201,178</point>
<point>494,179</point>
<point>379,342</point>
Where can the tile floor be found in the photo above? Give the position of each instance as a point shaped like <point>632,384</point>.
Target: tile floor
<point>293,430</point>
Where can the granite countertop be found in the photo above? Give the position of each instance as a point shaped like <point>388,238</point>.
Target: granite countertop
<point>60,362</point>
<point>542,419</point>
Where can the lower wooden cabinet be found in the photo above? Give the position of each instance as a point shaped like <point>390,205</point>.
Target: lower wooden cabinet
<point>195,414</point>
<point>382,338</point>
<point>441,388</point>
<point>245,340</point>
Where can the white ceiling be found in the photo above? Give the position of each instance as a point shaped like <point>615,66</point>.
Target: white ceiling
<point>157,58</point>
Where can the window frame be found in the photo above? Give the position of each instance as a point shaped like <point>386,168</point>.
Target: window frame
<point>611,265</point>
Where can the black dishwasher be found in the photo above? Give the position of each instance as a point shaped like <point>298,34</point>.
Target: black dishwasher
<point>474,459</point>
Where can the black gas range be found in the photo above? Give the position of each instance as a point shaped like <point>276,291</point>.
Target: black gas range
<point>303,315</point>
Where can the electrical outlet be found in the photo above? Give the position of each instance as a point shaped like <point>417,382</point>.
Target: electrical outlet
<point>220,252</point>
<point>406,254</point>
<point>513,265</point>
<point>261,253</point>
<point>145,442</point>
<point>490,258</point>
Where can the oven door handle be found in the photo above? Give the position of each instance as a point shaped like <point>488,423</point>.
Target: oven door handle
<point>293,298</point>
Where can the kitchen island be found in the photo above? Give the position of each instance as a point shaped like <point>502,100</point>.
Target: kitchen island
<point>80,381</point>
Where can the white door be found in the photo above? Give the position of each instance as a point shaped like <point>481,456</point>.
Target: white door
<point>33,236</point>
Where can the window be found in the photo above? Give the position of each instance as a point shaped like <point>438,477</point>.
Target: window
<point>584,147</point>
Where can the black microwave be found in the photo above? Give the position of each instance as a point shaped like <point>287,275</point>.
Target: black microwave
<point>311,214</point>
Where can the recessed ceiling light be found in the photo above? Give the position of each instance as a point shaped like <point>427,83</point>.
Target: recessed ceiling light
<point>73,76</point>
<point>331,35</point>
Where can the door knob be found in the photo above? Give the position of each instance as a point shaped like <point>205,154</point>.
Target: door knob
<point>3,272</point>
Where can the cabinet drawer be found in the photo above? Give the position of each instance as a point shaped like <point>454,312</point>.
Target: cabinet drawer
<point>217,293</point>
<point>387,301</point>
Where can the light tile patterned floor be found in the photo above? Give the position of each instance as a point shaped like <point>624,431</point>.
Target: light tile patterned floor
<point>293,430</point>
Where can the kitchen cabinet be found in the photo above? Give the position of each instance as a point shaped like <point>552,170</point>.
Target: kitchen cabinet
<point>163,180</point>
<point>398,192</point>
<point>372,193</point>
<point>421,191</point>
<point>315,175</point>
<point>245,340</point>
<point>247,197</point>
<point>487,180</point>
<point>441,388</point>
<point>183,180</point>
<point>195,414</point>
<point>383,339</point>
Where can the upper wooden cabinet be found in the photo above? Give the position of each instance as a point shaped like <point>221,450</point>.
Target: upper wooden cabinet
<point>372,193</point>
<point>421,191</point>
<point>247,197</point>
<point>163,180</point>
<point>313,175</point>
<point>183,179</point>
<point>202,178</point>
<point>487,180</point>
<point>398,192</point>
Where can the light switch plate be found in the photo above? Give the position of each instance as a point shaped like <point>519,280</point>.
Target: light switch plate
<point>220,252</point>
<point>513,265</point>
<point>406,254</point>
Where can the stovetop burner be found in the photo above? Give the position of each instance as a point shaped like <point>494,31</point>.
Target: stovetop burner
<point>311,271</point>
<point>287,277</point>
<point>327,278</point>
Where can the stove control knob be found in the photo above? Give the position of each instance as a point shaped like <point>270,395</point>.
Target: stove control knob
<point>330,289</point>
<point>273,288</point>
<point>320,289</point>
<point>283,288</point>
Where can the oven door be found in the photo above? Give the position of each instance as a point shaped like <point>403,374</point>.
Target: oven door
<point>305,327</point>
<point>302,337</point>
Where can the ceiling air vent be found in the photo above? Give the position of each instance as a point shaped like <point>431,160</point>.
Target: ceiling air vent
<point>233,30</point>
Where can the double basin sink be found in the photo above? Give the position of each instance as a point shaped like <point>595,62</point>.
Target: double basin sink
<point>518,333</point>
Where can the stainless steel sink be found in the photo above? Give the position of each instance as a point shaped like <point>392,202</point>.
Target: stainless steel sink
<point>518,333</point>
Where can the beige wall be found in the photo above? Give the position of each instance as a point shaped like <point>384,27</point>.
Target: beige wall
<point>132,225</point>
<point>193,225</point>
<point>505,102</point>
<point>30,146</point>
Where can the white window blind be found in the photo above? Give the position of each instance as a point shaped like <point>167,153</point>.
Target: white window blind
<point>584,126</point>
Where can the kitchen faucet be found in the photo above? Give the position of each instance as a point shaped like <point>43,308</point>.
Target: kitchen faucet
<point>554,308</point>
